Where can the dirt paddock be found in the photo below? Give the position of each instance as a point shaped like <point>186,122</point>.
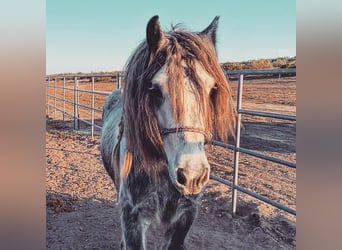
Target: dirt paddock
<point>81,206</point>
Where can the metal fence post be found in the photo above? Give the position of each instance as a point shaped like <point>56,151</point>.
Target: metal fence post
<point>118,81</point>
<point>237,144</point>
<point>48,97</point>
<point>78,106</point>
<point>54,99</point>
<point>64,99</point>
<point>75,103</point>
<point>92,106</point>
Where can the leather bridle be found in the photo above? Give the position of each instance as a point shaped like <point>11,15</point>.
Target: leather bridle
<point>166,131</point>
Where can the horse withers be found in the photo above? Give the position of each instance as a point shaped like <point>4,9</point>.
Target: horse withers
<point>175,99</point>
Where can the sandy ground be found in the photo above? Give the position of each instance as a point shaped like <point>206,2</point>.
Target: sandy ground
<point>82,211</point>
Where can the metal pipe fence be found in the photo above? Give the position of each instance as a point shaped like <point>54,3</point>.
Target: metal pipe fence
<point>236,147</point>
<point>74,87</point>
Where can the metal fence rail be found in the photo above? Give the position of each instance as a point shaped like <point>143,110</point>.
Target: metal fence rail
<point>52,81</point>
<point>236,148</point>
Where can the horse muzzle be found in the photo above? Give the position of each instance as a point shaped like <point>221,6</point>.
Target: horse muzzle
<point>192,176</point>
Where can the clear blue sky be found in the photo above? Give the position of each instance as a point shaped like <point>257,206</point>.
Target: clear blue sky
<point>99,35</point>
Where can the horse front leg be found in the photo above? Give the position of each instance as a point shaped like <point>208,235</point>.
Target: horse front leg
<point>133,229</point>
<point>177,231</point>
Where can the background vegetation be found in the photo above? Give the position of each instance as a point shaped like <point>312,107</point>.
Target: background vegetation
<point>280,62</point>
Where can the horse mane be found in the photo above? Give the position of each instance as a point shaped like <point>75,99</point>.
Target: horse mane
<point>140,124</point>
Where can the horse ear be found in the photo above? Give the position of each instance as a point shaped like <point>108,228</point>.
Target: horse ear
<point>210,31</point>
<point>154,34</point>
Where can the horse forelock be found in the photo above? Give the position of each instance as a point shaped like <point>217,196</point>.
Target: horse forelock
<point>192,49</point>
<point>182,48</point>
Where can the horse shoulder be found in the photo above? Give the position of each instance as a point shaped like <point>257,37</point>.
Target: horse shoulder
<point>111,117</point>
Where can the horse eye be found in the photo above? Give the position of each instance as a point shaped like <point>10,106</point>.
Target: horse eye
<point>156,95</point>
<point>213,90</point>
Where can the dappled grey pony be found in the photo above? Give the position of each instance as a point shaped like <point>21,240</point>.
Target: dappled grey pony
<point>175,99</point>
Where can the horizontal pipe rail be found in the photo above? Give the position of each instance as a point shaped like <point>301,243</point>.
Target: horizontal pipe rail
<point>89,123</point>
<point>84,76</point>
<point>95,92</point>
<point>85,121</point>
<point>66,113</point>
<point>267,114</point>
<point>71,102</point>
<point>104,93</point>
<point>260,71</point>
<point>255,195</point>
<point>61,99</point>
<point>80,105</point>
<point>255,154</point>
<point>88,107</point>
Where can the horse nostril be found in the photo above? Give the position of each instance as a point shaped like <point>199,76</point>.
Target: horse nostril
<point>205,176</point>
<point>181,179</point>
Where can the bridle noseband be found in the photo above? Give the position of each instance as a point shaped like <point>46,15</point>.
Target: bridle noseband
<point>166,131</point>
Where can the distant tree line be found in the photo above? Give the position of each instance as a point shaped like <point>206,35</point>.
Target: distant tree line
<point>280,62</point>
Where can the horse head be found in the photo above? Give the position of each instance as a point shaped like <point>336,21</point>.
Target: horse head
<point>176,99</point>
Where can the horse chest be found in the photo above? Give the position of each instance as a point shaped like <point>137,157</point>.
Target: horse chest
<point>161,203</point>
